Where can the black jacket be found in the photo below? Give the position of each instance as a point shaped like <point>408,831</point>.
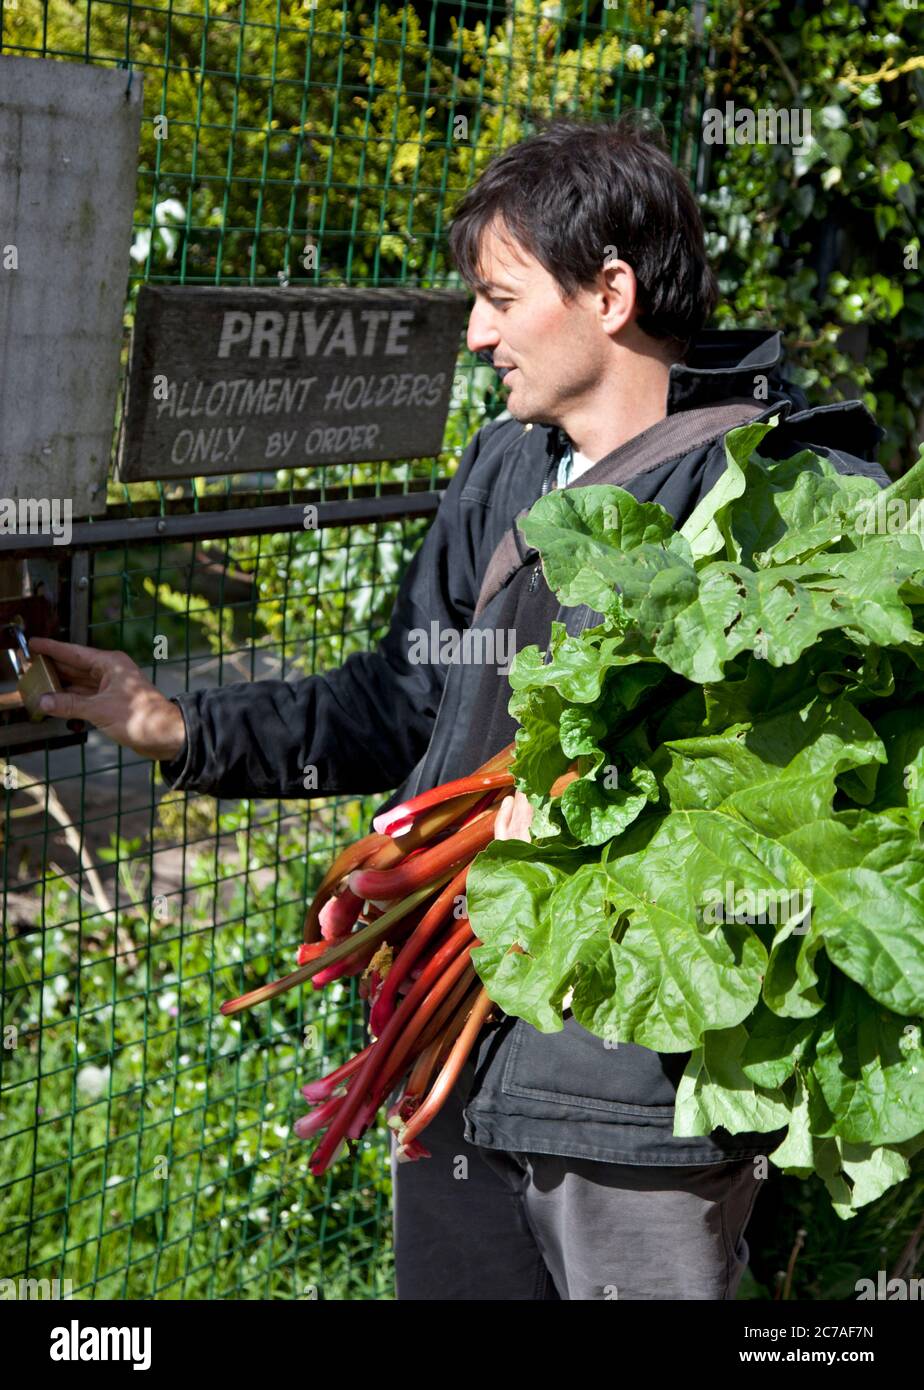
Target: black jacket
<point>381,722</point>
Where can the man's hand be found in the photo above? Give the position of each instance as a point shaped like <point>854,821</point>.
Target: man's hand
<point>513,818</point>
<point>108,690</point>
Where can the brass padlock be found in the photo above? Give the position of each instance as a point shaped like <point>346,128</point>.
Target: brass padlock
<point>38,678</point>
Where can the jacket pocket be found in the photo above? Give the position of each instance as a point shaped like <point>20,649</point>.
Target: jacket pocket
<point>577,1070</point>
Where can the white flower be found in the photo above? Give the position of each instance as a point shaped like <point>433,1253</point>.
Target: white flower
<point>93,1081</point>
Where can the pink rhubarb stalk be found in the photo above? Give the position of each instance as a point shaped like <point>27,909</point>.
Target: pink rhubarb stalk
<point>374,932</point>
<point>400,818</point>
<point>430,923</point>
<point>317,1119</point>
<point>338,915</point>
<point>324,1087</point>
<point>439,1091</point>
<point>378,1057</point>
<point>389,884</point>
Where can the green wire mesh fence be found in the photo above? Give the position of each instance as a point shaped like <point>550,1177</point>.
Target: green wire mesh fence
<point>146,1140</point>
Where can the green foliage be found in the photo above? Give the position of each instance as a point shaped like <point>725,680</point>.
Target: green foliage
<point>737,870</point>
<point>823,239</point>
<point>163,1130</point>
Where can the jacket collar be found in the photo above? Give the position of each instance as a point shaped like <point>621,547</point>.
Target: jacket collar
<point>721,365</point>
<point>748,363</point>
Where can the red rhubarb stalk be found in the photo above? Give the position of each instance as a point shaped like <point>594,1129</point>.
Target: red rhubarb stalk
<point>432,1059</point>
<point>499,763</point>
<point>378,1057</point>
<point>409,954</point>
<point>325,1086</point>
<point>374,932</point>
<point>449,1074</point>
<point>334,908</point>
<point>436,1028</point>
<point>388,884</point>
<point>392,1067</point>
<point>412,1034</point>
<point>417,1083</point>
<point>482,805</point>
<point>363,959</point>
<point>385,854</point>
<point>434,1031</point>
<point>363,849</point>
<point>348,859</point>
<point>396,820</point>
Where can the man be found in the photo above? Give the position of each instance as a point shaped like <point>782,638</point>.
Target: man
<point>554,1170</point>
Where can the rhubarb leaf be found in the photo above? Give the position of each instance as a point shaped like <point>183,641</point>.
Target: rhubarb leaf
<point>737,869</point>
<point>714,1090</point>
<point>869,1071</point>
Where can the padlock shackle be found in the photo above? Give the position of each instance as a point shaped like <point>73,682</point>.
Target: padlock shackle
<point>21,639</point>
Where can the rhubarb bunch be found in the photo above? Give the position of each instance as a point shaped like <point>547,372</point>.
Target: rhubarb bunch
<point>391,908</point>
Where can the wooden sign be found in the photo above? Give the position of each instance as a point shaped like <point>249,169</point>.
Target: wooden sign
<point>68,165</point>
<point>239,380</point>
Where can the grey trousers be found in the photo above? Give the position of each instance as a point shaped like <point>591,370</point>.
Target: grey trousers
<point>477,1223</point>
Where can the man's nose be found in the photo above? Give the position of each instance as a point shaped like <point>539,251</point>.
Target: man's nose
<point>482,333</point>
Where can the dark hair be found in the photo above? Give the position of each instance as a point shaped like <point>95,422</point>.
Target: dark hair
<point>576,186</point>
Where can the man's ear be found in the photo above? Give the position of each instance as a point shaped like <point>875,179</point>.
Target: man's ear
<point>617,295</point>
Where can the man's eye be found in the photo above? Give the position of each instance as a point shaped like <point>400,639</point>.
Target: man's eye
<point>499,303</point>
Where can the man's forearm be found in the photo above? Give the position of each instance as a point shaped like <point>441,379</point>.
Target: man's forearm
<point>354,731</point>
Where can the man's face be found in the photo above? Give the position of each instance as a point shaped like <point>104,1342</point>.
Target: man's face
<point>557,351</point>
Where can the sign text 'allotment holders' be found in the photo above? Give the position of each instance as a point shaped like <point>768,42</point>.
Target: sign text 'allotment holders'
<point>229,380</point>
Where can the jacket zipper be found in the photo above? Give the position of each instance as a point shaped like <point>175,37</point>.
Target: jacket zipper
<point>546,486</point>
<point>547,482</point>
